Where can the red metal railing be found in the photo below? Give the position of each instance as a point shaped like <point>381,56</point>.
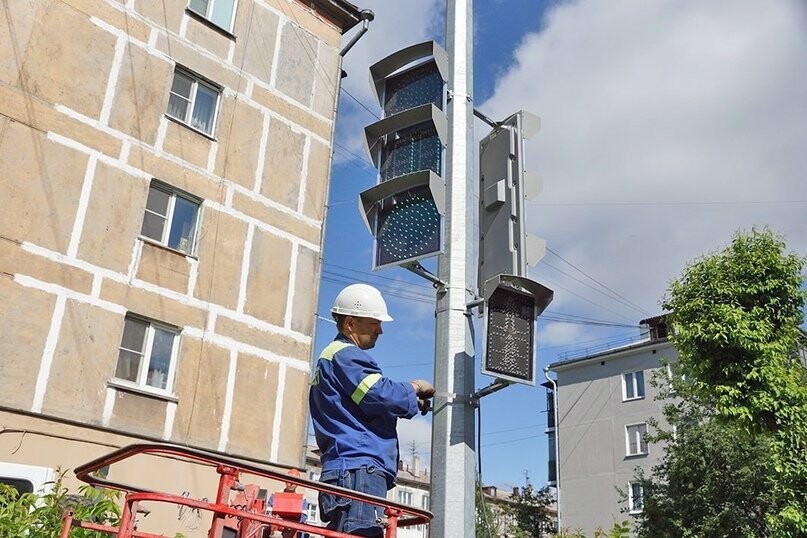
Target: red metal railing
<point>229,471</point>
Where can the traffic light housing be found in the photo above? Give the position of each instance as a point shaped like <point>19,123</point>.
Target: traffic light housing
<point>404,211</point>
<point>504,245</point>
<point>512,304</point>
<point>511,301</point>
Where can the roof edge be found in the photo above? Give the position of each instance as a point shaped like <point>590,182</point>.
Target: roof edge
<point>562,365</point>
<point>341,12</point>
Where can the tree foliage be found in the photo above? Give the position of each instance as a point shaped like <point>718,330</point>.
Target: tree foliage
<point>34,516</point>
<point>712,480</point>
<point>531,510</point>
<point>736,317</point>
<point>484,515</point>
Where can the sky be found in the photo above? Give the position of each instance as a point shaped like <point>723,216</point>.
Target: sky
<point>666,127</point>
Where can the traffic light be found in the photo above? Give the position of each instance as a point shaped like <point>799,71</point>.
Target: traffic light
<point>511,305</point>
<point>504,245</point>
<point>404,211</point>
<point>511,301</point>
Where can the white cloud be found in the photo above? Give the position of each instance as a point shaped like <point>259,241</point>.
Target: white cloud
<point>418,431</point>
<point>647,107</point>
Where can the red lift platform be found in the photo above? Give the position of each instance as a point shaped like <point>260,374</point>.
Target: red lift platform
<point>246,513</point>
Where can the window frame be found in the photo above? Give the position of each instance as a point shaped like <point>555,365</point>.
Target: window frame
<point>173,193</point>
<point>141,385</point>
<point>196,80</point>
<point>640,441</point>
<point>206,16</point>
<point>634,384</point>
<point>632,509</point>
<point>403,495</point>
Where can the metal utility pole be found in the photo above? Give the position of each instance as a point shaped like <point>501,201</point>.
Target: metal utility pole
<point>453,466</point>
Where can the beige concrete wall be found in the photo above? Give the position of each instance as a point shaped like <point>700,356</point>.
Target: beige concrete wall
<point>83,131</point>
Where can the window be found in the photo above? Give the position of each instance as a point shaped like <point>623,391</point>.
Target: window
<point>405,497</point>
<point>193,101</point>
<point>312,513</point>
<point>219,12</point>
<point>424,502</point>
<point>634,437</point>
<point>171,218</point>
<point>147,355</point>
<point>633,385</point>
<point>635,498</point>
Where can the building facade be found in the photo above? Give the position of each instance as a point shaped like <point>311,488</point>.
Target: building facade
<point>604,402</point>
<point>163,171</point>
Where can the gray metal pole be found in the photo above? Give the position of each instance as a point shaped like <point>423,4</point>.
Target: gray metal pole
<point>453,470</point>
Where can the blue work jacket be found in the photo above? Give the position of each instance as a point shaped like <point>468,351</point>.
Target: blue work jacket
<point>355,408</point>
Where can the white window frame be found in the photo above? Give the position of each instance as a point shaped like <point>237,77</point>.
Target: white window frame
<point>631,379</point>
<point>197,80</point>
<point>312,513</point>
<point>405,497</point>
<point>639,440</point>
<point>425,500</point>
<point>173,193</point>
<point>142,375</point>
<point>206,16</point>
<point>632,508</point>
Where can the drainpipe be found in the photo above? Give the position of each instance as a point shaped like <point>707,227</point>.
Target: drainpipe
<point>557,441</point>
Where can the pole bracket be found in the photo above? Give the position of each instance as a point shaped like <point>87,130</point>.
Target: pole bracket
<point>418,269</point>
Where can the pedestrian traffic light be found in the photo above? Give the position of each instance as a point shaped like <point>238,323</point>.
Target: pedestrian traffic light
<point>504,245</point>
<point>511,305</point>
<point>404,211</point>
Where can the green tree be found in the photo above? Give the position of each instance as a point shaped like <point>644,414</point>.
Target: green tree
<point>531,510</point>
<point>484,515</point>
<point>30,515</point>
<point>712,480</point>
<point>736,317</point>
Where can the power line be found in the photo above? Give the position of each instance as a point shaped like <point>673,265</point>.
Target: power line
<point>365,107</point>
<point>616,294</point>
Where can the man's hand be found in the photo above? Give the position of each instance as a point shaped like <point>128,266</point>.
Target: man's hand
<point>424,390</point>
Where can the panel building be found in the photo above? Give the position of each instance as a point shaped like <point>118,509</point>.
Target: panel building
<point>598,416</point>
<point>163,171</point>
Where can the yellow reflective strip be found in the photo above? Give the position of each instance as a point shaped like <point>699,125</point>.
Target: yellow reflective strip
<point>364,387</point>
<point>332,348</point>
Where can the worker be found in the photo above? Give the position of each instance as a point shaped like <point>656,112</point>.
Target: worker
<point>354,410</point>
<point>290,487</point>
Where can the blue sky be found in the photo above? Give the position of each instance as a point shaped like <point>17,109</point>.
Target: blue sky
<point>666,127</point>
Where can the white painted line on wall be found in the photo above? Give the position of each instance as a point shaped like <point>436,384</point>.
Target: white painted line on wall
<point>295,250</point>
<point>210,323</point>
<point>95,291</point>
<point>47,353</point>
<point>106,159</point>
<point>170,415</point>
<point>281,389</point>
<point>259,224</point>
<point>242,285</point>
<point>183,25</point>
<point>230,344</point>
<point>304,176</point>
<point>109,405</point>
<point>228,196</point>
<point>152,42</point>
<point>193,275</point>
<point>112,83</point>
<point>276,54</point>
<point>211,157</point>
<point>228,401</point>
<point>162,131</point>
<point>125,150</point>
<point>134,261</point>
<point>231,53</point>
<point>59,291</point>
<point>81,210</point>
<point>259,166</point>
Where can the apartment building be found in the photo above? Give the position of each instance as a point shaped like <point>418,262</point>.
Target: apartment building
<point>164,170</point>
<point>599,415</point>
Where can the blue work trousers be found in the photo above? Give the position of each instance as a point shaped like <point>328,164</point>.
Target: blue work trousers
<point>347,515</point>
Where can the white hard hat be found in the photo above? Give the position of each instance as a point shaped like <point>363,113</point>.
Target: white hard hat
<point>361,301</point>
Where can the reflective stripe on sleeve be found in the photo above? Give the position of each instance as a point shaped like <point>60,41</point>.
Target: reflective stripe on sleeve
<point>364,387</point>
<point>332,349</point>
